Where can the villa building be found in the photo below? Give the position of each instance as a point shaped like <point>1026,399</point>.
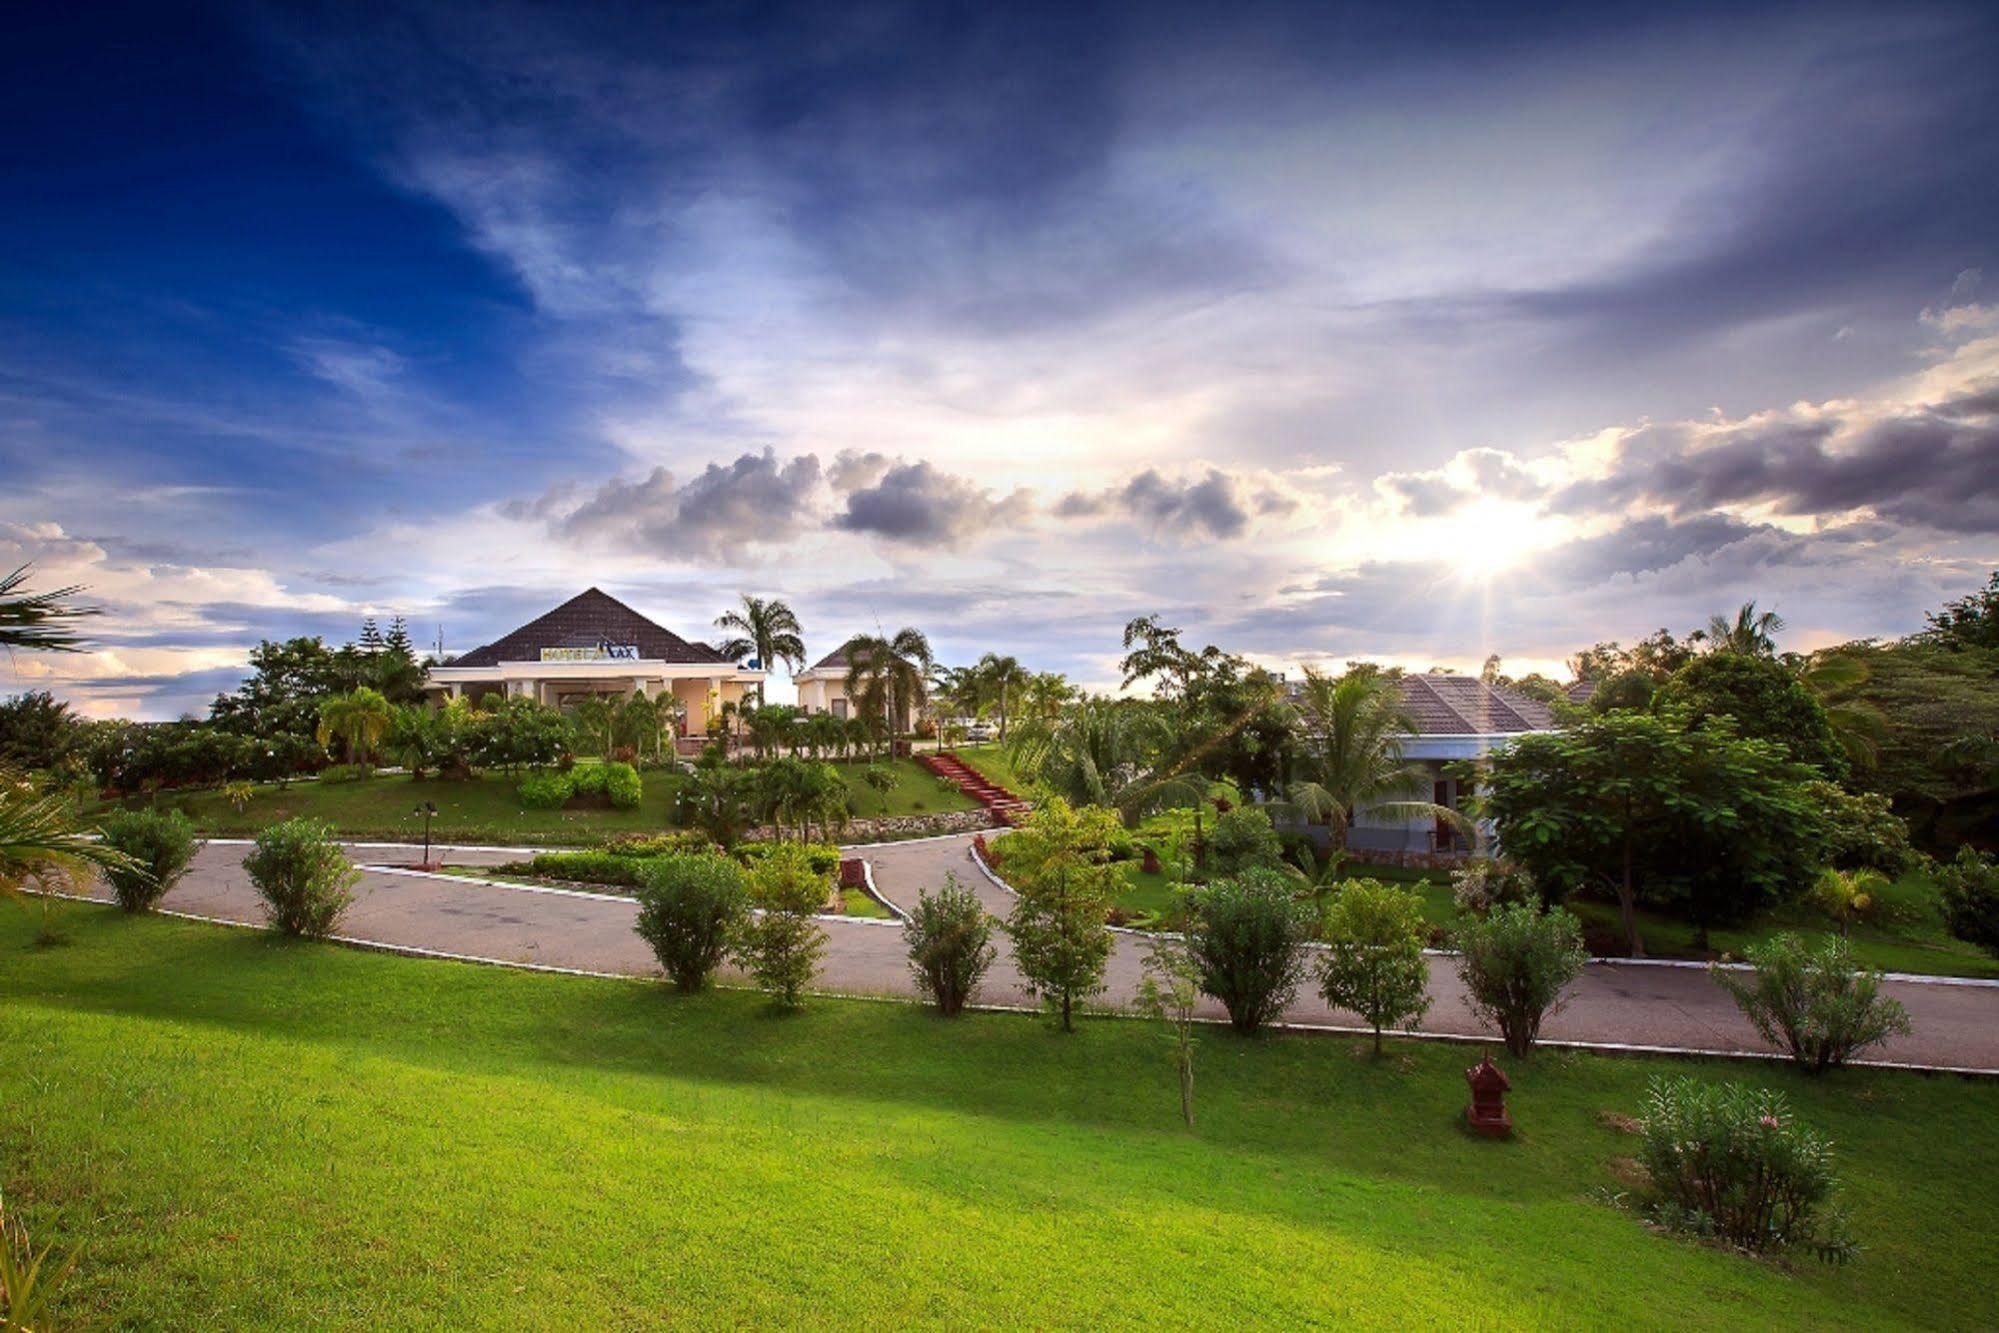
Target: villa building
<point>595,644</point>
<point>822,687</point>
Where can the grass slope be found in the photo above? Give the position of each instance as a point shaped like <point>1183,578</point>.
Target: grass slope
<point>486,809</point>
<point>252,1133</point>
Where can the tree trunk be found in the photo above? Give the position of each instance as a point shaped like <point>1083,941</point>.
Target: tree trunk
<point>1067,1001</point>
<point>1627,904</point>
<point>1187,1088</point>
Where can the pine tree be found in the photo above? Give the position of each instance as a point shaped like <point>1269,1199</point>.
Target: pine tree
<point>371,637</point>
<point>398,641</point>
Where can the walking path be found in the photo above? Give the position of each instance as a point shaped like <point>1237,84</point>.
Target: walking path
<point>1613,1004</point>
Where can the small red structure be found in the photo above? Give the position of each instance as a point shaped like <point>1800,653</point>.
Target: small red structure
<point>1151,863</point>
<point>1487,1112</point>
<point>853,873</point>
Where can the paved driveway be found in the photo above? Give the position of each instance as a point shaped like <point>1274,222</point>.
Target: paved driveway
<point>1956,1026</point>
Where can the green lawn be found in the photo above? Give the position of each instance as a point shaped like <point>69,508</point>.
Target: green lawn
<point>485,808</point>
<point>246,1132</point>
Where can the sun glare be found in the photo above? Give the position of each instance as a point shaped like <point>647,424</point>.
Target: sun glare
<point>1491,537</point>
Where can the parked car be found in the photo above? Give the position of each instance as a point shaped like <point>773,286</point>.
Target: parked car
<point>978,732</point>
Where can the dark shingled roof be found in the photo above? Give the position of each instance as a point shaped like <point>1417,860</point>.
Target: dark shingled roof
<point>1467,706</point>
<point>835,660</point>
<point>591,617</point>
<point>1580,691</point>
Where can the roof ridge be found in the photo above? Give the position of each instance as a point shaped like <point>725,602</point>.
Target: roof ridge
<point>1471,728</point>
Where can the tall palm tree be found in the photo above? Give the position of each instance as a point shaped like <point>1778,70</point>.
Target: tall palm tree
<point>1752,633</point>
<point>888,677</point>
<point>39,620</point>
<point>1350,737</point>
<point>1857,725</point>
<point>764,629</point>
<point>1003,676</point>
<point>1046,694</point>
<point>1108,752</point>
<point>358,721</point>
<point>39,839</point>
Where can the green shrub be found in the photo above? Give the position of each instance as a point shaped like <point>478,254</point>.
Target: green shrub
<point>594,867</point>
<point>1862,830</point>
<point>949,938</point>
<point>823,857</point>
<point>692,906</point>
<point>338,773</point>
<point>623,786</point>
<point>1244,840</point>
<point>1515,964</point>
<point>1374,965</point>
<point>304,878</point>
<point>588,779</point>
<point>781,946</point>
<point>653,844</point>
<point>1246,935</point>
<point>1970,885</point>
<point>1729,1161</point>
<point>1813,1002</point>
<point>162,845</point>
<point>1482,883</point>
<point>546,791</point>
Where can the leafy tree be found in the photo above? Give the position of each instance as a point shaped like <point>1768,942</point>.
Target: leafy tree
<point>1246,938</point>
<point>37,730</point>
<point>358,722</point>
<point>1058,863</point>
<point>881,780</point>
<point>949,939</point>
<point>888,678</point>
<point>1814,1003</point>
<point>41,621</point>
<point>1244,840</point>
<point>1350,734</point>
<point>781,945</point>
<point>1170,991</point>
<point>1655,657</point>
<point>1751,633</point>
<point>1106,752</point>
<point>692,906</point>
<point>1970,885</point>
<point>1862,830</point>
<point>596,716</point>
<point>1516,963</point>
<point>1972,621</point>
<point>1766,700</point>
<point>1649,807</point>
<point>287,683</point>
<point>1374,965</point>
<point>765,629</point>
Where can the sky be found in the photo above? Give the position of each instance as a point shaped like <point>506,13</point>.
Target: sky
<point>1402,333</point>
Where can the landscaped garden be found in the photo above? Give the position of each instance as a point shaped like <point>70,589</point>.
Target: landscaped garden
<point>246,1131</point>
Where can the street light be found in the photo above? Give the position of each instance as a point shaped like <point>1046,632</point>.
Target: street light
<point>428,810</point>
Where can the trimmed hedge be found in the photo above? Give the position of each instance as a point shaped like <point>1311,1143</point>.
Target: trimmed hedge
<point>620,784</point>
<point>630,864</point>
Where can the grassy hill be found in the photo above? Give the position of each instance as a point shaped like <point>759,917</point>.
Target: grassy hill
<point>245,1132</point>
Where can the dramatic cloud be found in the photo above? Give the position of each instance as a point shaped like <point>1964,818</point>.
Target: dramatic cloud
<point>1473,475</point>
<point>752,501</point>
<point>1217,505</point>
<point>921,505</point>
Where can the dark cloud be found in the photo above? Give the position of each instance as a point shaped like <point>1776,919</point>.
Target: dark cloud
<point>923,505</point>
<point>752,501</point>
<point>1936,466</point>
<point>1218,505</point>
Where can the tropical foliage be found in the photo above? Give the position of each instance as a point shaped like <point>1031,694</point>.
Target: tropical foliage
<point>1813,1002</point>
<point>1246,936</point>
<point>1351,730</point>
<point>1059,864</point>
<point>1374,965</point>
<point>1516,964</point>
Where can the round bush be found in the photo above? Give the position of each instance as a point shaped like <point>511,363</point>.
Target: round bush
<point>1516,963</point>
<point>161,844</point>
<point>1970,884</point>
<point>304,878</point>
<point>546,791</point>
<point>691,907</point>
<point>949,937</point>
<point>623,786</point>
<point>1246,936</point>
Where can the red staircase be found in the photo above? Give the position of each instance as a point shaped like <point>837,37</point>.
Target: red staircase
<point>1004,805</point>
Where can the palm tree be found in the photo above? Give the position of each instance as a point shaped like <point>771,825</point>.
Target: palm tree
<point>1350,736</point>
<point>1002,675</point>
<point>1858,726</point>
<point>1107,752</point>
<point>39,840</point>
<point>39,620</point>
<point>597,716</point>
<point>1752,633</point>
<point>1046,694</point>
<point>888,677</point>
<point>358,721</point>
<point>766,630</point>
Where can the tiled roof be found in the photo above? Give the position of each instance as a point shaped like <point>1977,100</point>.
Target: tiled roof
<point>591,617</point>
<point>835,660</point>
<point>1580,691</point>
<point>1467,706</point>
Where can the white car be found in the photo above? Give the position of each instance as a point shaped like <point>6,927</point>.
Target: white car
<point>978,731</point>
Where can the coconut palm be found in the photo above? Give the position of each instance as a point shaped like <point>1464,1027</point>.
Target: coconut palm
<point>1004,676</point>
<point>1350,731</point>
<point>39,839</point>
<point>764,629</point>
<point>1752,633</point>
<point>1107,752</point>
<point>888,676</point>
<point>39,620</point>
<point>1045,695</point>
<point>1858,726</point>
<point>358,721</point>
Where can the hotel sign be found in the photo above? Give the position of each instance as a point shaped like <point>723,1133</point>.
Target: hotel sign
<point>602,652</point>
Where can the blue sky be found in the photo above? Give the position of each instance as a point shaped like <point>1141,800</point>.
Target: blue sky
<point>1326,332</point>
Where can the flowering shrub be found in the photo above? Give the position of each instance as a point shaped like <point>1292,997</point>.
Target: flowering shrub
<point>1814,1003</point>
<point>1729,1161</point>
<point>1970,884</point>
<point>1483,883</point>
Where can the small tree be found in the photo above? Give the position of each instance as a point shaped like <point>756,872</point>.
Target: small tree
<point>1814,1003</point>
<point>1847,896</point>
<point>1058,864</point>
<point>1970,884</point>
<point>1374,964</point>
<point>691,907</point>
<point>1246,940</point>
<point>1169,991</point>
<point>1245,840</point>
<point>949,937</point>
<point>161,845</point>
<point>303,876</point>
<point>781,945</point>
<point>1515,964</point>
<point>881,780</point>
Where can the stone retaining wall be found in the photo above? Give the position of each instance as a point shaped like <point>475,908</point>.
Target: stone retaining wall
<point>892,827</point>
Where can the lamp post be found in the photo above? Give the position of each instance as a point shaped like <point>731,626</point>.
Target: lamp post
<point>428,810</point>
